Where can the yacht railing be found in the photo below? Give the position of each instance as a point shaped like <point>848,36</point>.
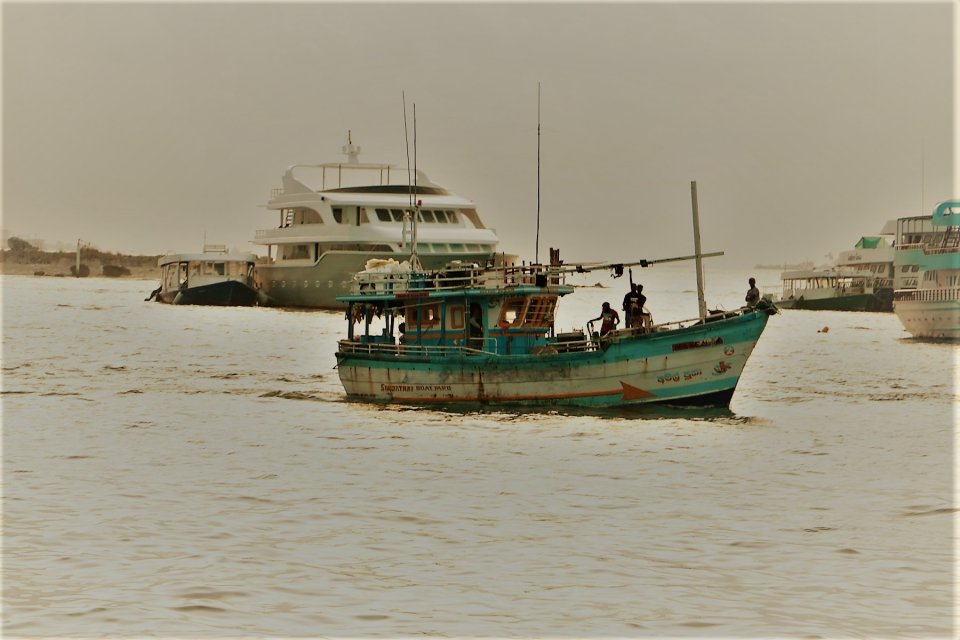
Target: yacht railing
<point>927,295</point>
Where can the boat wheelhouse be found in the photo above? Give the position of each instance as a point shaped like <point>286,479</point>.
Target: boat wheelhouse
<point>214,277</point>
<point>928,249</point>
<point>334,217</point>
<point>469,334</point>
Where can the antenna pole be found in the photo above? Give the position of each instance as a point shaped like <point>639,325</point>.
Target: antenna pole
<point>923,181</point>
<point>414,259</point>
<point>406,137</point>
<point>536,252</point>
<point>697,252</point>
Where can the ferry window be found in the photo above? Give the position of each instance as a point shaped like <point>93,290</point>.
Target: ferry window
<point>384,215</point>
<point>195,268</point>
<point>915,268</point>
<point>512,311</point>
<point>427,216</point>
<point>338,214</point>
<point>218,268</point>
<point>397,215</point>
<point>452,215</point>
<point>441,215</point>
<point>456,247</point>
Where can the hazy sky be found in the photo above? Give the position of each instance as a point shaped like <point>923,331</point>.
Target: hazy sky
<point>140,127</point>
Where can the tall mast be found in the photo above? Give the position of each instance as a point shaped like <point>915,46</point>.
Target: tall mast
<point>536,253</point>
<point>697,252</point>
<point>414,259</point>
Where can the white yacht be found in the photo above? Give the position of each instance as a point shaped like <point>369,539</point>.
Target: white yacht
<point>927,299</point>
<point>352,212</point>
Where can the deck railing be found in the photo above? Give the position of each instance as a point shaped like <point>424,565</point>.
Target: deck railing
<point>927,295</point>
<point>467,276</point>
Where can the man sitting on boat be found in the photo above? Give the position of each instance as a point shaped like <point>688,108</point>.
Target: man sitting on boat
<point>753,295</point>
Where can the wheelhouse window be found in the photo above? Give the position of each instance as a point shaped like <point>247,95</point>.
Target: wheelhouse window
<point>428,315</point>
<point>539,311</point>
<point>384,215</point>
<point>338,214</point>
<point>512,312</point>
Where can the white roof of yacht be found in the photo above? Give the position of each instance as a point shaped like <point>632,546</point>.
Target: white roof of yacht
<point>394,200</point>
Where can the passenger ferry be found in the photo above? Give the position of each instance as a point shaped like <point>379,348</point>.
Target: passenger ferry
<point>354,212</point>
<point>470,333</point>
<point>214,277</point>
<point>927,261</point>
<point>861,279</point>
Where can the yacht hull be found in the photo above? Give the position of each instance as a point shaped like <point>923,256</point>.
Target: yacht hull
<point>937,319</point>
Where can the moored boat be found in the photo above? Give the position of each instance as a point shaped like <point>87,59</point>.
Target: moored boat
<point>832,289</point>
<point>334,217</point>
<point>214,277</point>
<point>928,257</point>
<point>472,333</point>
<point>860,279</point>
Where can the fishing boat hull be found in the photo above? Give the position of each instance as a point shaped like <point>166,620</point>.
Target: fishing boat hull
<point>230,293</point>
<point>697,365</point>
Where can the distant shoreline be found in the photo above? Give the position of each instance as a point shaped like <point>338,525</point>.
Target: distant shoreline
<point>94,264</point>
<point>785,267</point>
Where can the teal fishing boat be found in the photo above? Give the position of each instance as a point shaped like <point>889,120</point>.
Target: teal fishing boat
<point>472,333</point>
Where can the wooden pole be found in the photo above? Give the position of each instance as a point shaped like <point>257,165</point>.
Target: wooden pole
<point>697,252</point>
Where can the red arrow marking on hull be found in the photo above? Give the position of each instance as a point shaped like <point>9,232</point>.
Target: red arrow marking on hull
<point>633,393</point>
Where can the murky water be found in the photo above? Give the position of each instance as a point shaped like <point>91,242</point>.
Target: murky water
<point>195,472</point>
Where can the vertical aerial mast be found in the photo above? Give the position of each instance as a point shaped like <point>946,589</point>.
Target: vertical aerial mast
<point>698,253</point>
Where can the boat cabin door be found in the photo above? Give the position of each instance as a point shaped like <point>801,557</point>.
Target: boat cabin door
<point>475,327</point>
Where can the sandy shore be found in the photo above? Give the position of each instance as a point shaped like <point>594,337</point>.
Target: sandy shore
<point>62,268</point>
